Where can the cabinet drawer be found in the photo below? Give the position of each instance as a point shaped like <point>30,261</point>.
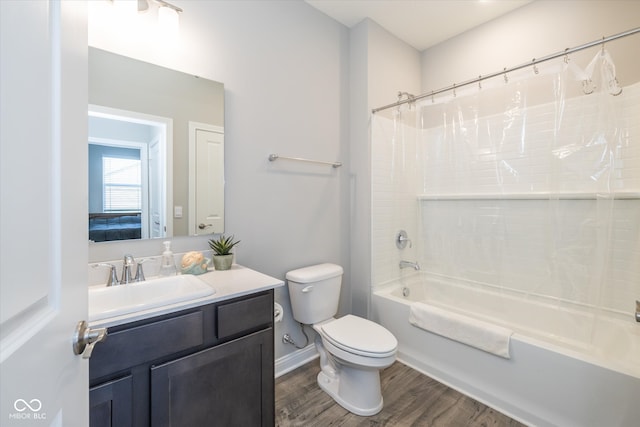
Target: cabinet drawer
<point>239,316</point>
<point>130,347</point>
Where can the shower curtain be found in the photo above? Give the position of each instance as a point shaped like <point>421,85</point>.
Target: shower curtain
<point>528,183</point>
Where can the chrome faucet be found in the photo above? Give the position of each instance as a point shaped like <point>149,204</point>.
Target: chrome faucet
<point>637,311</point>
<point>405,264</point>
<point>139,271</point>
<point>127,265</point>
<point>127,269</point>
<point>113,273</point>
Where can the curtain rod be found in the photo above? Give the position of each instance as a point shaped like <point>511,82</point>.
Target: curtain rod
<point>567,51</point>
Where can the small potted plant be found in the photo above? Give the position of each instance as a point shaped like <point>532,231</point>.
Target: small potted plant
<point>222,256</point>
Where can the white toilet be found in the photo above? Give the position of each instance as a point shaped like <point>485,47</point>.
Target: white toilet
<point>352,349</point>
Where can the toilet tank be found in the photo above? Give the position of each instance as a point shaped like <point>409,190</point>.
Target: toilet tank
<point>315,292</point>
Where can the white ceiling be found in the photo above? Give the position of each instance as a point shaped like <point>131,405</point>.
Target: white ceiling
<point>419,23</point>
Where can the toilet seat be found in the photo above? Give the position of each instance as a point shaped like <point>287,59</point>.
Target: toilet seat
<point>360,336</point>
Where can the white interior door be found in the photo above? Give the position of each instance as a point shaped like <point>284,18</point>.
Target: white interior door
<point>43,212</point>
<point>206,187</point>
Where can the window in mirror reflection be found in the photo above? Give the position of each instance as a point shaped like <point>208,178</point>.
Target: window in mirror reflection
<point>121,182</point>
<point>126,185</point>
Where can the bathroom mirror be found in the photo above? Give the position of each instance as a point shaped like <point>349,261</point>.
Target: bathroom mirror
<point>156,151</point>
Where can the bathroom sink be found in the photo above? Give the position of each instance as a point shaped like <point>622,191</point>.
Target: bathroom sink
<point>105,302</point>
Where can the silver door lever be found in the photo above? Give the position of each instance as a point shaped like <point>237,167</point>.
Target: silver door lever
<point>85,339</point>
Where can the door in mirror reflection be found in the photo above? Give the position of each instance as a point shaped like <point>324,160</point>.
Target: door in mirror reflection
<point>206,176</point>
<point>128,153</point>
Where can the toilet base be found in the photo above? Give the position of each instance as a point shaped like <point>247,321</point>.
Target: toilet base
<point>356,390</point>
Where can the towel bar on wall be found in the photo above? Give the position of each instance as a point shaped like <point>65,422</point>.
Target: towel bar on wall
<point>614,195</point>
<point>274,157</point>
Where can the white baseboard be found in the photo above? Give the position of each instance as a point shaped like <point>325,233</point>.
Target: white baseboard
<point>294,360</point>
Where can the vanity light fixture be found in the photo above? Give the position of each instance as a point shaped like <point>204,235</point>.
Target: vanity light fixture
<point>169,20</point>
<point>143,6</point>
<point>125,7</point>
<point>164,4</point>
<point>168,16</point>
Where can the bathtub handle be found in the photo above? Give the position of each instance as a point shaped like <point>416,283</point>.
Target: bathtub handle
<point>307,289</point>
<point>402,239</point>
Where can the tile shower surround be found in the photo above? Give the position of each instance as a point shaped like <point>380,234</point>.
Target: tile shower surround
<point>458,238</point>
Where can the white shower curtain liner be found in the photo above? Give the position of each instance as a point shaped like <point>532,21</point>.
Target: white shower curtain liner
<point>528,183</point>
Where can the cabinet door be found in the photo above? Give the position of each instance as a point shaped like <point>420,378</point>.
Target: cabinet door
<point>228,385</point>
<point>110,404</point>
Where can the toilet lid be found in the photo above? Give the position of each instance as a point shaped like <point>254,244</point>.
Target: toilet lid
<point>360,336</point>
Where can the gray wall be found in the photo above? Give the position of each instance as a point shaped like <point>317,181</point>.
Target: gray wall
<point>533,31</point>
<point>298,83</point>
<point>381,65</point>
<point>285,70</point>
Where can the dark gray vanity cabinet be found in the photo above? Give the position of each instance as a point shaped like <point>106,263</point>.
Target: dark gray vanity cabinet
<point>207,366</point>
<point>217,386</point>
<point>111,404</point>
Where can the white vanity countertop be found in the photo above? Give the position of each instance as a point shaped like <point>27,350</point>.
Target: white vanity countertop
<point>236,282</point>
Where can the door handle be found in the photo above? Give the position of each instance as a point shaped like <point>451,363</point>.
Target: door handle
<point>202,226</point>
<point>85,338</point>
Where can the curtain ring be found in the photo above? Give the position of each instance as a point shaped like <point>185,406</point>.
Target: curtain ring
<point>454,90</point>
<point>480,82</point>
<point>614,84</point>
<point>506,79</point>
<point>432,100</point>
<point>398,111</point>
<point>566,56</point>
<point>535,66</point>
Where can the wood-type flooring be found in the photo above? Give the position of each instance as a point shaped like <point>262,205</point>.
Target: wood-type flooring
<point>410,399</point>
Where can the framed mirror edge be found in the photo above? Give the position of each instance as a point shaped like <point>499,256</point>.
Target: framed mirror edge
<point>188,228</point>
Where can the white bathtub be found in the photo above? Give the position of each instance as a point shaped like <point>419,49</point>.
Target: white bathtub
<point>570,365</point>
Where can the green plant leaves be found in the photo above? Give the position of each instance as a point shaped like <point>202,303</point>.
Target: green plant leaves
<point>223,245</point>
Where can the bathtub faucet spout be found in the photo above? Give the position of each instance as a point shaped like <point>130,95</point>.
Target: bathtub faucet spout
<point>637,311</point>
<point>405,264</point>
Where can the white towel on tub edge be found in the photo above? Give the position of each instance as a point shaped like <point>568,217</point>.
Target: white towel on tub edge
<point>476,333</point>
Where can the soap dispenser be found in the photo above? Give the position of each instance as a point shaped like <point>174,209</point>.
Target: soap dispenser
<point>168,264</point>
